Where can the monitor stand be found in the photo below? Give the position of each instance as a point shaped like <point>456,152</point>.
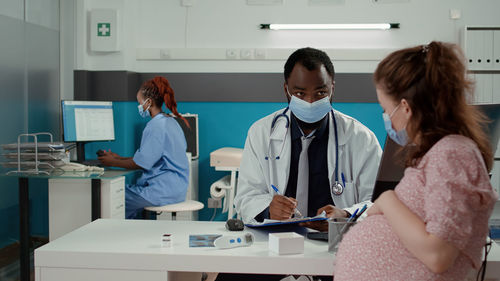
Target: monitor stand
<point>80,152</point>
<point>80,156</point>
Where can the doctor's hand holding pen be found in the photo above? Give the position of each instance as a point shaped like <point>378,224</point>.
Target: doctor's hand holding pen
<point>282,207</point>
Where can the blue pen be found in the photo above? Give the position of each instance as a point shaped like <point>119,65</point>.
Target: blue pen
<point>351,218</point>
<point>343,179</point>
<point>361,212</point>
<point>297,213</point>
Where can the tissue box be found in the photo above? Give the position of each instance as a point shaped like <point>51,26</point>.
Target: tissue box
<point>286,243</point>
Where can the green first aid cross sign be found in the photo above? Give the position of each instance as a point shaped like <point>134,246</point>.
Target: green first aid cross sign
<point>103,29</point>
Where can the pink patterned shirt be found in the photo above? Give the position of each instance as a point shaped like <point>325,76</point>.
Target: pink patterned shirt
<point>451,192</point>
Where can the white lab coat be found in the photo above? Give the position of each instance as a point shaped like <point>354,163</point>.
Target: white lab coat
<point>359,156</point>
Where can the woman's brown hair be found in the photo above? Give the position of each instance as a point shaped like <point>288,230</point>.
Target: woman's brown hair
<point>158,89</point>
<point>433,80</point>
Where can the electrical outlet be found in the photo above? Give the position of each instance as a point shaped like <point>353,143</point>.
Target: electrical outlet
<point>260,54</point>
<point>231,54</point>
<point>165,54</point>
<point>214,203</point>
<point>246,54</point>
<point>455,14</point>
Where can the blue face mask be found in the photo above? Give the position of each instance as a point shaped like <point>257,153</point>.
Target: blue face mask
<point>400,137</point>
<point>309,112</point>
<point>144,112</point>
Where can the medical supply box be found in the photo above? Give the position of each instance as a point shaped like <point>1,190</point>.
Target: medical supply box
<point>286,243</point>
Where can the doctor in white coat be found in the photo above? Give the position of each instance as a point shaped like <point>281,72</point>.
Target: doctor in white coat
<point>343,156</point>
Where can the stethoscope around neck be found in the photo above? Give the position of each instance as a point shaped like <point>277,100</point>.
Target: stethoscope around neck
<point>337,187</point>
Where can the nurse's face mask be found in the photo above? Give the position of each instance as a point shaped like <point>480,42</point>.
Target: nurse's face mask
<point>144,112</point>
<point>309,112</point>
<point>400,137</point>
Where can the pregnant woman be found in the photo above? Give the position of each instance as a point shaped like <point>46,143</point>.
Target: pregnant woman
<point>434,224</point>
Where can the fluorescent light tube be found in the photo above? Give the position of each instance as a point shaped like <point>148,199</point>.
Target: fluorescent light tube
<point>344,26</point>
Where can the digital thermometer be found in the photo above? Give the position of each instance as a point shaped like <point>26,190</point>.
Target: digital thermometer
<point>233,241</point>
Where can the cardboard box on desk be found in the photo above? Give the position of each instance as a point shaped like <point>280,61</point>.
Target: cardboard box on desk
<point>286,243</point>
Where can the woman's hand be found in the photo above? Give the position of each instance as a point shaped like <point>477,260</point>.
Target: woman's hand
<point>108,158</point>
<point>376,208</point>
<point>113,154</point>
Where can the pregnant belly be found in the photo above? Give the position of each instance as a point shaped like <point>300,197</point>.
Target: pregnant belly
<point>370,251</point>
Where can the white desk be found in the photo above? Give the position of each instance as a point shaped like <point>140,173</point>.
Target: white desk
<point>70,203</point>
<point>130,250</point>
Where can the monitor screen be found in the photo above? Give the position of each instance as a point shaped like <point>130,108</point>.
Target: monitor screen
<point>191,133</point>
<point>88,121</point>
<point>391,168</point>
<point>492,112</point>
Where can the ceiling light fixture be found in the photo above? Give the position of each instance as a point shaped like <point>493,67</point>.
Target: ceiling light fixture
<point>338,26</point>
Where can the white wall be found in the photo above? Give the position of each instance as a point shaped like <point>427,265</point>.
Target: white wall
<point>67,47</point>
<point>220,24</point>
<point>40,12</point>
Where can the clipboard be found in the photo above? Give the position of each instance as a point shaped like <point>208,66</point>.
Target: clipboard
<point>267,222</point>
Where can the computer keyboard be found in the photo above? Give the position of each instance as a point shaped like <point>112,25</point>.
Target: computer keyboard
<point>93,162</point>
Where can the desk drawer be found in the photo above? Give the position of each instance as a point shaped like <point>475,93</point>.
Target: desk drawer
<point>117,199</point>
<point>118,212</point>
<point>113,198</point>
<point>118,192</point>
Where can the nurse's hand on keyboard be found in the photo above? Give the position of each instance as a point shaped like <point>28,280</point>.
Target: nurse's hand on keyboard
<point>108,158</point>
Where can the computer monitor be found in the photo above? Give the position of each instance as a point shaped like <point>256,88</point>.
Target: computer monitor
<point>492,111</point>
<point>85,121</point>
<point>88,121</point>
<point>190,133</point>
<point>391,168</point>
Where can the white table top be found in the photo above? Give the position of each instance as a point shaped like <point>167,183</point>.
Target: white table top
<point>135,244</point>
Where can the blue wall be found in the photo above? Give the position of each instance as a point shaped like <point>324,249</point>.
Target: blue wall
<point>221,124</point>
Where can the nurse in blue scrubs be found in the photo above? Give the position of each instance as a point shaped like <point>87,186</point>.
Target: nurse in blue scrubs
<point>161,156</point>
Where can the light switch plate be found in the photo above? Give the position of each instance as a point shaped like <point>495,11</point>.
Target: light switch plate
<point>187,3</point>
